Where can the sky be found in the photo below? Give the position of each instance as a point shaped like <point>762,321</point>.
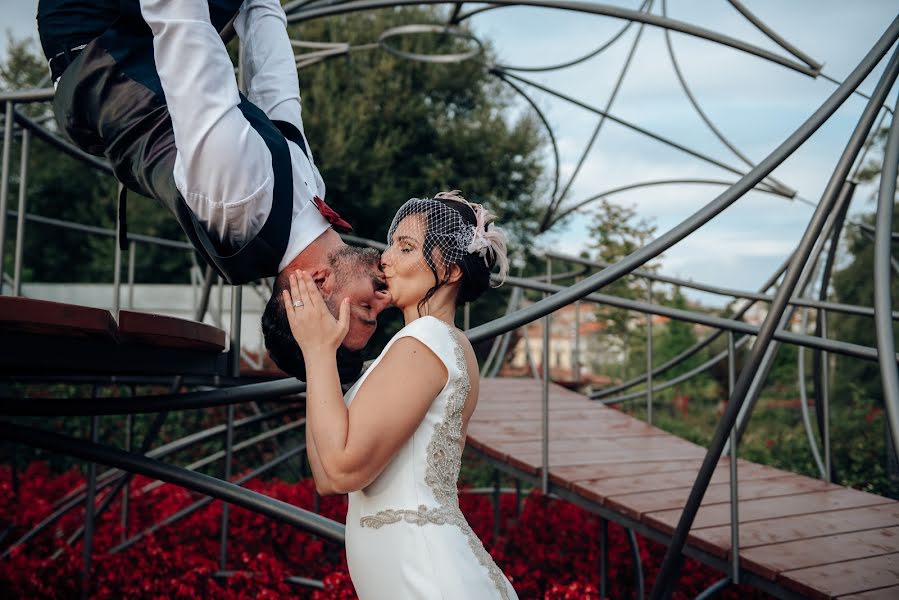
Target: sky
<point>756,104</point>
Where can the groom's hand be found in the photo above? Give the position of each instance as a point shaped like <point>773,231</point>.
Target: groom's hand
<point>313,326</point>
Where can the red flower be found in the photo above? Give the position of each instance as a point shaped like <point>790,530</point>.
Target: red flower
<point>331,215</point>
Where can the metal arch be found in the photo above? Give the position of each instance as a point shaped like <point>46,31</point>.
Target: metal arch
<point>709,211</point>
<point>556,202</point>
<point>810,341</point>
<point>549,129</point>
<point>635,186</point>
<point>44,134</point>
<point>629,125</point>
<point>673,557</point>
<point>774,36</point>
<point>803,403</point>
<point>851,309</point>
<point>210,486</point>
<point>581,59</point>
<point>882,280</point>
<point>705,118</point>
<point>268,390</point>
<point>430,58</point>
<point>658,387</point>
<point>597,9</point>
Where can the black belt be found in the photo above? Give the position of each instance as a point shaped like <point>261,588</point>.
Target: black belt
<point>61,61</point>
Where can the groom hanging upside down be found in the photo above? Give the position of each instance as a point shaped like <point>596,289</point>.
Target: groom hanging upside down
<point>149,85</point>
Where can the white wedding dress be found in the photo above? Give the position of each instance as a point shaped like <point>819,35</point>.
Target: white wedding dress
<point>405,535</point>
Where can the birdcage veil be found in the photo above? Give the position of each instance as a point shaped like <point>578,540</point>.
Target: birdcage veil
<point>440,226</point>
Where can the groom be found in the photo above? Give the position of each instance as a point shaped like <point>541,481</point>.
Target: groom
<point>149,85</point>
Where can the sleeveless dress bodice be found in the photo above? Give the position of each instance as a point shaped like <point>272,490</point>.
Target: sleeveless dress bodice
<point>406,537</point>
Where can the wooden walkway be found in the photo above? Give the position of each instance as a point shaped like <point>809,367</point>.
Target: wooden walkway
<point>799,537</point>
<point>48,338</point>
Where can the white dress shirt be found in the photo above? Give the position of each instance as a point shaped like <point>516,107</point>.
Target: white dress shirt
<point>223,168</point>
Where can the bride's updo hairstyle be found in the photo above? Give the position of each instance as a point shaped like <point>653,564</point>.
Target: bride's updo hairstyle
<point>457,232</point>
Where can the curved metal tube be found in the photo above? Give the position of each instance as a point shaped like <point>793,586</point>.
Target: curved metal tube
<point>210,486</point>
<point>713,589</point>
<point>694,349</point>
<point>774,37</point>
<point>844,348</point>
<point>44,134</point>
<point>886,343</point>
<point>634,186</point>
<point>656,387</point>
<point>268,390</point>
<point>704,215</point>
<point>631,126</point>
<point>803,402</point>
<point>850,309</point>
<point>572,62</point>
<point>673,557</point>
<point>705,118</point>
<point>638,564</point>
<point>597,9</point>
<point>554,204</point>
<point>549,130</point>
<point>177,516</point>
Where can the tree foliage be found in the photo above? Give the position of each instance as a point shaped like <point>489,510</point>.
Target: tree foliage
<point>382,129</point>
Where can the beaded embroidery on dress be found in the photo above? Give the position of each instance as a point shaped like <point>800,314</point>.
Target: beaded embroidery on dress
<point>406,536</point>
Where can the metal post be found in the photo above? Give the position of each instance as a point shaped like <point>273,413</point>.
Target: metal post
<point>4,182</point>
<point>87,549</point>
<point>649,355</point>
<point>234,349</point>
<point>734,495</point>
<point>132,248</point>
<point>517,498</point>
<point>219,309</point>
<point>575,352</point>
<point>544,475</point>
<point>126,493</point>
<point>603,557</point>
<point>825,400</point>
<point>20,217</point>
<point>497,514</point>
<point>466,316</point>
<point>229,446</point>
<point>117,263</point>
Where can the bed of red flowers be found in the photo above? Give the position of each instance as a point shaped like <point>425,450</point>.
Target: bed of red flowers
<point>550,551</point>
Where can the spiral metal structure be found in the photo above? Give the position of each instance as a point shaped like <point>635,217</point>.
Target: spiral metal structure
<point>801,283</point>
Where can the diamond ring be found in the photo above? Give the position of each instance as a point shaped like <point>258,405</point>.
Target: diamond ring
<point>298,304</point>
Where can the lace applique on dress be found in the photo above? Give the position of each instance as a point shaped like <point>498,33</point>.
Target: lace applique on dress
<point>444,456</point>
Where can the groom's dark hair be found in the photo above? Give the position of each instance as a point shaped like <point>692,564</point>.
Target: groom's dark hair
<point>346,263</point>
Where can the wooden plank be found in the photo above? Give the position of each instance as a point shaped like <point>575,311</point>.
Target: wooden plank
<point>771,559</point>
<point>672,486</point>
<point>633,466</point>
<point>505,430</point>
<point>841,579</point>
<point>169,332</point>
<point>42,317</point>
<point>887,593</point>
<point>754,483</point>
<point>768,508</point>
<point>803,527</point>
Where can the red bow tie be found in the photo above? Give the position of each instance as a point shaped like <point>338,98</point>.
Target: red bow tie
<point>332,217</point>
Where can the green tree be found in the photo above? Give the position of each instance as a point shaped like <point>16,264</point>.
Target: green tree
<point>61,187</point>
<point>385,129</point>
<point>382,129</point>
<point>617,231</point>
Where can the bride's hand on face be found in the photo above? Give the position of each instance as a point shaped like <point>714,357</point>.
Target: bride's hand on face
<point>313,326</point>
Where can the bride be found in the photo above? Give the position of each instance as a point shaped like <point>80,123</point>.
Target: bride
<point>395,441</point>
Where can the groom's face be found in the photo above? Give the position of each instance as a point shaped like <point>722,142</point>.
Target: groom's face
<point>360,279</point>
